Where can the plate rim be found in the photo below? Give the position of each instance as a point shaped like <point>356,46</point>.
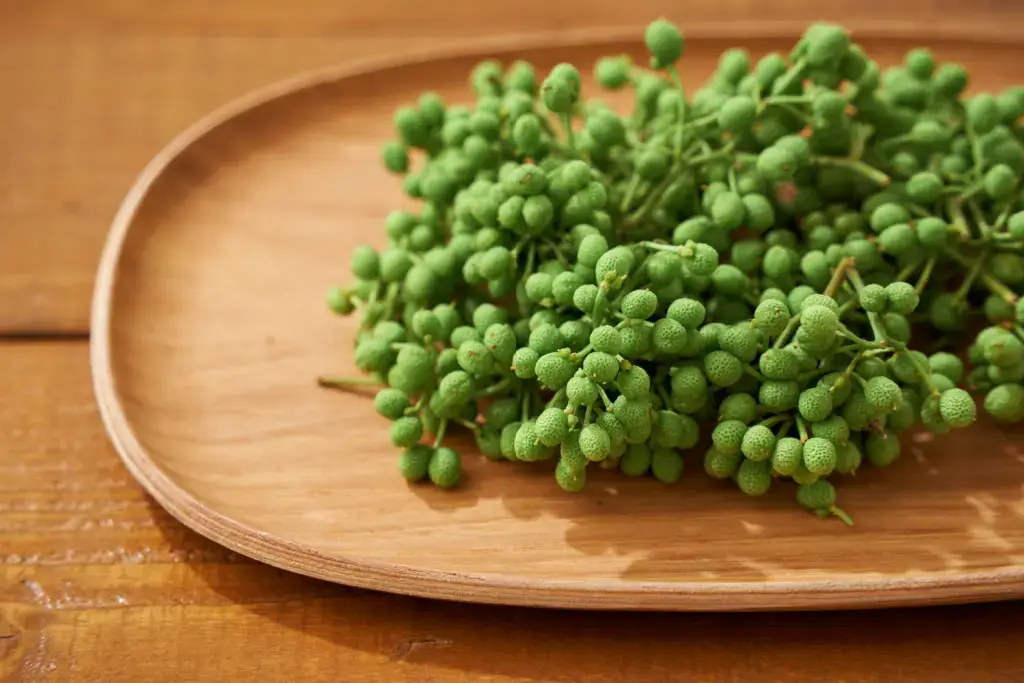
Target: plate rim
<point>643,595</point>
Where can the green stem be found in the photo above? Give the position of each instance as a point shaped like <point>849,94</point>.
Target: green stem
<point>588,415</point>
<point>495,388</point>
<point>983,227</point>
<point>604,399</point>
<point>802,428</point>
<point>992,284</point>
<point>956,214</point>
<point>440,433</point>
<point>471,426</point>
<point>774,420</point>
<point>787,79</point>
<point>570,136</point>
<point>634,183</point>
<point>749,369</point>
<point>839,276</point>
<point>524,413</point>
<point>600,306</point>
<point>680,124</point>
<point>923,369</point>
<point>865,170</point>
<point>925,274</point>
<point>786,332</point>
<point>559,395</point>
<point>347,382</point>
<point>972,275</point>
<point>909,270</point>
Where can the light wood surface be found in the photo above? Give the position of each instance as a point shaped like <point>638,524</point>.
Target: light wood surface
<point>97,87</point>
<point>98,583</point>
<point>209,327</point>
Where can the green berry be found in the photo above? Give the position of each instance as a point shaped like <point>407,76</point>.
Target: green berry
<point>787,456</point>
<point>722,368</point>
<point>639,304</point>
<point>406,432</point>
<point>758,443</point>
<point>883,448</point>
<point>741,407</point>
<point>665,43</point>
<point>947,364</point>
<point>1006,403</point>
<point>601,367</point>
<point>754,478</point>
<point>819,456</point>
<point>815,404</point>
<point>666,465</point>
<point>390,403</point>
<point>414,463</point>
<point>957,408</point>
<point>445,468</point>
<point>687,312</point>
<point>551,426</point>
<point>719,465</point>
<point>777,396</point>
<point>728,436</point>
<point>637,460</point>
<point>779,364</point>
<point>633,383</point>
<point>554,370</point>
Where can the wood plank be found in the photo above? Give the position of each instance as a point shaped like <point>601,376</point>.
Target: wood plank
<point>97,583</point>
<point>102,85</point>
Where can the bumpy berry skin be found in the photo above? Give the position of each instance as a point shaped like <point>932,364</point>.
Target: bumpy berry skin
<point>687,312</point>
<point>787,456</point>
<point>445,468</point>
<point>742,407</point>
<point>779,396</point>
<point>883,394</point>
<point>728,436</point>
<point>570,479</point>
<point>639,304</point>
<point>414,462</point>
<point>819,456</point>
<point>595,443</point>
<point>758,443</point>
<point>882,448</point>
<point>390,403</point>
<point>833,428</point>
<point>815,404</point>
<point>957,408</point>
<point>723,369</point>
<point>719,465</point>
<point>771,316</point>
<point>754,478</point>
<point>817,495</point>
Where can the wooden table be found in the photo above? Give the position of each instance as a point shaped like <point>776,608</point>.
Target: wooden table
<point>99,584</point>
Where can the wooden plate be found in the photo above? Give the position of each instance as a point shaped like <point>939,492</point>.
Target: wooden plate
<point>209,329</point>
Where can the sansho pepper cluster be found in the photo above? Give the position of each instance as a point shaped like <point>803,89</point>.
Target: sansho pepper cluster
<point>590,288</point>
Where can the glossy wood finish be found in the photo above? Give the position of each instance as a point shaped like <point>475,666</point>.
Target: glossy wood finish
<point>209,328</point>
<point>98,583</point>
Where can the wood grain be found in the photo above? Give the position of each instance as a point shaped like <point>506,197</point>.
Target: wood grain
<point>204,356</point>
<point>102,85</point>
<point>97,583</point>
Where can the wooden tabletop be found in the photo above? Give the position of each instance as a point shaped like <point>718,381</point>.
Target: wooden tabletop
<point>97,583</point>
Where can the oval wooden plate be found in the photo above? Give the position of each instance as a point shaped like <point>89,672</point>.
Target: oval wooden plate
<point>210,327</point>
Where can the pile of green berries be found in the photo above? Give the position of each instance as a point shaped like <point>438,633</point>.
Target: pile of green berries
<point>589,288</point>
